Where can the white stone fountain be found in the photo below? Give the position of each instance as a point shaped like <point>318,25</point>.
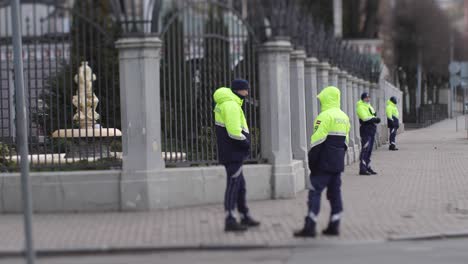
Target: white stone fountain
<point>90,139</point>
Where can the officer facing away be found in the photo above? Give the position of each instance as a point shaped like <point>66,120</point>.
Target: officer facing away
<point>326,162</point>
<point>392,121</point>
<point>368,120</point>
<point>233,138</point>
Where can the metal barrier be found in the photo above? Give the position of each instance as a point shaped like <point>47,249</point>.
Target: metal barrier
<point>433,113</point>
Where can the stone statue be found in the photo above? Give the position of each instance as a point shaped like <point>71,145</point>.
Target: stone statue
<point>85,100</point>
<point>82,143</point>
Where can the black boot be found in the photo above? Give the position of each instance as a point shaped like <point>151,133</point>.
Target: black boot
<point>371,171</point>
<point>308,230</point>
<point>365,173</point>
<point>392,148</point>
<point>231,225</point>
<point>333,229</point>
<point>249,222</point>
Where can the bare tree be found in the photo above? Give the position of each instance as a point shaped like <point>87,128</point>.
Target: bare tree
<point>361,18</point>
<point>418,30</point>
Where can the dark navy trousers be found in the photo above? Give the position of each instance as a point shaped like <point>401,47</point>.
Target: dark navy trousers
<point>393,133</point>
<point>319,182</point>
<point>235,195</point>
<point>367,145</point>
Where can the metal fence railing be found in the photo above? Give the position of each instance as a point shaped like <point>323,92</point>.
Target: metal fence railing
<point>72,79</point>
<point>432,113</point>
<point>205,46</point>
<point>71,83</point>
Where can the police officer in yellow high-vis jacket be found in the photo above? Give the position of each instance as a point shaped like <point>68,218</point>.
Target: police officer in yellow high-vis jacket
<point>368,121</point>
<point>233,138</point>
<point>393,121</point>
<point>326,162</point>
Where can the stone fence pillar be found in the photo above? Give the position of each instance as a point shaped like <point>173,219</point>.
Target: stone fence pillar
<point>343,86</point>
<point>351,111</point>
<point>356,97</point>
<point>323,80</point>
<point>334,76</point>
<point>275,115</point>
<point>139,62</point>
<point>323,75</point>
<point>375,99</point>
<point>298,108</point>
<point>311,101</point>
<point>361,87</point>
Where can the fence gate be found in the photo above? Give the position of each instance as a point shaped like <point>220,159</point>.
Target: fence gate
<point>205,46</point>
<point>57,39</point>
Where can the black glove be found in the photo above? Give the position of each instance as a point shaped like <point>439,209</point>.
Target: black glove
<point>376,120</point>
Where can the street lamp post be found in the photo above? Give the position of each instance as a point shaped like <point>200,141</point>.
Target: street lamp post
<point>22,130</point>
<point>452,87</point>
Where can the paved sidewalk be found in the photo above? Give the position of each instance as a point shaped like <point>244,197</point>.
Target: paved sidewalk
<point>420,190</point>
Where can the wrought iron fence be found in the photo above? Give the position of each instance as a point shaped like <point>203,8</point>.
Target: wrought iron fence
<point>71,81</point>
<point>306,26</point>
<point>206,44</point>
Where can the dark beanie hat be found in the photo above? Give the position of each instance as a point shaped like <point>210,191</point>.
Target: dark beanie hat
<point>239,84</point>
<point>393,99</point>
<point>364,95</point>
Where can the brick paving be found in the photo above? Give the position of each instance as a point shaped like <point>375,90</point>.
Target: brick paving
<point>420,190</point>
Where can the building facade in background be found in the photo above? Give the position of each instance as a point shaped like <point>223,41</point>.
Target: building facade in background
<point>45,48</point>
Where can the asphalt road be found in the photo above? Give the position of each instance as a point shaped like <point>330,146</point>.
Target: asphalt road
<point>420,252</point>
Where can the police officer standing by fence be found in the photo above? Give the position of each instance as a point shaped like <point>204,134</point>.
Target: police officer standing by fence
<point>368,127</point>
<point>392,121</point>
<point>233,138</point>
<point>326,162</point>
